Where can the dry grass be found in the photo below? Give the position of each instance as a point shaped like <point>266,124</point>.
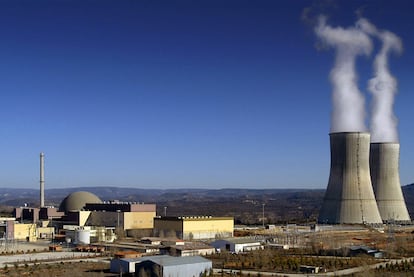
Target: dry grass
<point>92,269</point>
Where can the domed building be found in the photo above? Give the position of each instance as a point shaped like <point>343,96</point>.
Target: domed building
<point>77,200</point>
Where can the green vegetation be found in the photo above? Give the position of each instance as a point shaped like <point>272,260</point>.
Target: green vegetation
<point>284,261</point>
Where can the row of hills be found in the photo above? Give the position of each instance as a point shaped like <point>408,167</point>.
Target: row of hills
<point>247,206</point>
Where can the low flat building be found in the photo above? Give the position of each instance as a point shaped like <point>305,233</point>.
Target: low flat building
<point>194,227</point>
<point>23,231</point>
<point>188,249</point>
<point>167,266</point>
<point>237,245</point>
<point>365,250</point>
<point>160,266</point>
<point>124,265</point>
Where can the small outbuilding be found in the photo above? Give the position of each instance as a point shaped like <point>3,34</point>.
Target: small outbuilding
<point>188,249</point>
<point>124,265</point>
<point>365,250</point>
<point>237,245</point>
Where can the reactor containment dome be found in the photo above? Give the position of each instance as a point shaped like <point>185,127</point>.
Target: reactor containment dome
<point>77,200</point>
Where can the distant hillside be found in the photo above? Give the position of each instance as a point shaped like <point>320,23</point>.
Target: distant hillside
<point>246,205</point>
<point>55,196</point>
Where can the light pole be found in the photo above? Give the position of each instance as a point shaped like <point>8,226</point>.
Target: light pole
<point>263,218</point>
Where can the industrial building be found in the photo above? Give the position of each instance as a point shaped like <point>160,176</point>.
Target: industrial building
<point>194,227</point>
<point>385,177</point>
<point>349,197</point>
<point>163,265</point>
<point>128,215</point>
<point>167,266</point>
<point>100,220</point>
<point>12,230</point>
<point>188,249</point>
<point>83,208</point>
<point>356,250</point>
<point>83,214</point>
<point>237,245</point>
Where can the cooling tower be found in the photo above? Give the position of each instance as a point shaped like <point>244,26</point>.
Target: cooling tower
<point>42,180</point>
<point>349,197</point>
<point>384,165</point>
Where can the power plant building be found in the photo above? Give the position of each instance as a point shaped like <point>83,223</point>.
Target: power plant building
<point>124,215</point>
<point>86,209</point>
<point>349,198</point>
<point>384,166</point>
<point>194,227</point>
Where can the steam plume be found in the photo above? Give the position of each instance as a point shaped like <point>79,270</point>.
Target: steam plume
<point>348,111</point>
<point>383,85</point>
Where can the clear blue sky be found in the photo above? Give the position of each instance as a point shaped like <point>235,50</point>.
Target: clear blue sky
<point>180,94</point>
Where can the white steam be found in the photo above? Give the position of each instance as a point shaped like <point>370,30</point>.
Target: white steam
<point>348,112</point>
<point>383,85</point>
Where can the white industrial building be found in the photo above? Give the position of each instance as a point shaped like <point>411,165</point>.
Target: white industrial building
<point>162,266</point>
<point>237,245</point>
<point>167,266</point>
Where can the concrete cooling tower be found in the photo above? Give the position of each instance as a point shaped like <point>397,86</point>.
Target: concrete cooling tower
<point>385,177</point>
<point>349,197</point>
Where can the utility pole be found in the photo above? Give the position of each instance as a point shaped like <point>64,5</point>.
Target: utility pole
<point>263,215</point>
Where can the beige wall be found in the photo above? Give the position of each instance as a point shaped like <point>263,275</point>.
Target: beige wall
<point>138,220</point>
<point>24,231</point>
<point>201,228</point>
<point>194,228</point>
<point>83,217</point>
<point>45,232</point>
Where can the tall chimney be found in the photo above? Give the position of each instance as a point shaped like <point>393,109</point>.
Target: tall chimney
<point>384,165</point>
<point>349,197</point>
<point>42,179</point>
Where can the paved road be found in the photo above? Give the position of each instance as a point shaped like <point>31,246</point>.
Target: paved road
<point>10,260</point>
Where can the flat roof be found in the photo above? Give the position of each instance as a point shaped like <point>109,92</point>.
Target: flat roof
<point>192,246</point>
<point>166,260</point>
<point>240,240</point>
<point>194,218</point>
